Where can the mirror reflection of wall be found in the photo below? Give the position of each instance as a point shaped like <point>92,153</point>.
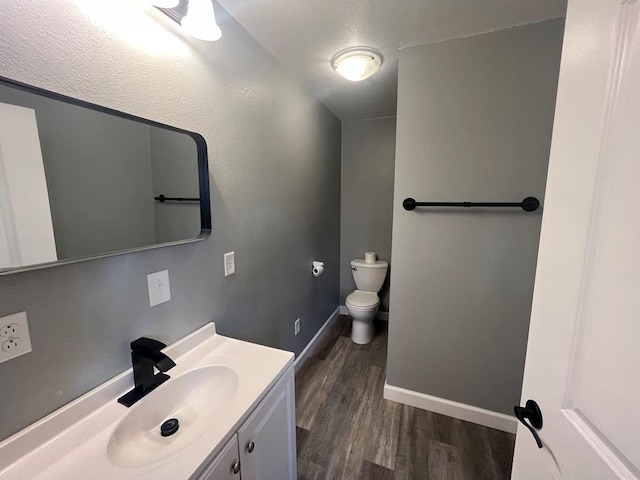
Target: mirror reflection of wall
<point>168,150</point>
<point>102,174</point>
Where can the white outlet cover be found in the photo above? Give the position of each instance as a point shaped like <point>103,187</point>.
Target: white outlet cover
<point>296,327</point>
<point>229,263</point>
<point>159,287</point>
<point>18,321</point>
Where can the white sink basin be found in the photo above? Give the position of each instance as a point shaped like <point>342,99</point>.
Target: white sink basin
<point>196,398</point>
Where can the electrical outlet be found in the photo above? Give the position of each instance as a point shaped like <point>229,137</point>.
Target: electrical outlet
<point>12,345</point>
<point>9,330</point>
<point>14,336</point>
<point>159,288</point>
<point>229,263</point>
<point>296,326</point>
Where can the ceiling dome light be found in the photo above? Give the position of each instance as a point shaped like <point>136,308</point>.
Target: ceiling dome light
<point>164,3</point>
<point>200,21</point>
<point>358,63</point>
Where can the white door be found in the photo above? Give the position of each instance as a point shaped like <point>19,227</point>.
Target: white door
<point>26,228</point>
<point>583,357</point>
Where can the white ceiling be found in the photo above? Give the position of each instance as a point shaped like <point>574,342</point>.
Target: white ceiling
<point>305,34</point>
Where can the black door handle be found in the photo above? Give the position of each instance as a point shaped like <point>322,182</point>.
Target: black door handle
<point>531,411</point>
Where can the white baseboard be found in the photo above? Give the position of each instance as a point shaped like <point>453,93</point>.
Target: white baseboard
<point>469,413</point>
<point>316,338</point>
<point>384,316</point>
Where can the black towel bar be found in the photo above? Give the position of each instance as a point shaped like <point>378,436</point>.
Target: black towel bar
<point>529,204</point>
<point>162,199</point>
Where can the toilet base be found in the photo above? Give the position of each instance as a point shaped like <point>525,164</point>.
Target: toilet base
<point>362,331</point>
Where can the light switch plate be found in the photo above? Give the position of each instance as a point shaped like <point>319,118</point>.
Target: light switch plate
<point>229,263</point>
<point>14,336</point>
<point>159,288</point>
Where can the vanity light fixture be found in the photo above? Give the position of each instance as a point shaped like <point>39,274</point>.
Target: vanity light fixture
<point>200,21</point>
<point>164,3</point>
<point>357,63</point>
<point>196,17</point>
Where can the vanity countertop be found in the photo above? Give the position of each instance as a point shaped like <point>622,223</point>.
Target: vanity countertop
<point>72,442</point>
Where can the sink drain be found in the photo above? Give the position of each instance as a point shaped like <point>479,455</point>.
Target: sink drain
<point>169,427</point>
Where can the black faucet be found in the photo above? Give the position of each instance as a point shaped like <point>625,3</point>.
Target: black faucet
<point>146,355</point>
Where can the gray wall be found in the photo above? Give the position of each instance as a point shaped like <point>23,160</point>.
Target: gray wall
<point>175,174</point>
<point>368,153</point>
<point>475,118</point>
<point>274,154</point>
<point>98,173</point>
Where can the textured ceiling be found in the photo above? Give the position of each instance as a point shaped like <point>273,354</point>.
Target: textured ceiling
<point>304,35</point>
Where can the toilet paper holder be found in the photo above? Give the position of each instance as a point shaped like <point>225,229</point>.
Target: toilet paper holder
<point>317,268</point>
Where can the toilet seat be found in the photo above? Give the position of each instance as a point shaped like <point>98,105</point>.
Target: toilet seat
<point>360,300</point>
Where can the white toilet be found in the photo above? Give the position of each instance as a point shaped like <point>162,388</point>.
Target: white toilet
<point>362,304</point>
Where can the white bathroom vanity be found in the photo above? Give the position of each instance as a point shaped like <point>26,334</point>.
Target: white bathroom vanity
<point>234,402</point>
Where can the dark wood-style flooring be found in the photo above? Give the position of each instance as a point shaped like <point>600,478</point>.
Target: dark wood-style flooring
<point>346,430</point>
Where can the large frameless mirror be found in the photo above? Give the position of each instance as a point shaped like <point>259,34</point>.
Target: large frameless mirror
<point>80,181</point>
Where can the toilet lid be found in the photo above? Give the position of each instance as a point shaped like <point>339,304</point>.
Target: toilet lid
<point>360,299</point>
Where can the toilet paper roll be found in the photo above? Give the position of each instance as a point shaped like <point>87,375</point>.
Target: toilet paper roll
<point>370,257</point>
<point>318,268</point>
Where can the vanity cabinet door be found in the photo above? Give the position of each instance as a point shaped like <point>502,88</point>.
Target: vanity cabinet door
<point>226,466</point>
<point>268,437</point>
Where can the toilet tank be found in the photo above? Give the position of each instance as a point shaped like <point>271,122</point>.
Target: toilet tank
<point>369,277</point>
